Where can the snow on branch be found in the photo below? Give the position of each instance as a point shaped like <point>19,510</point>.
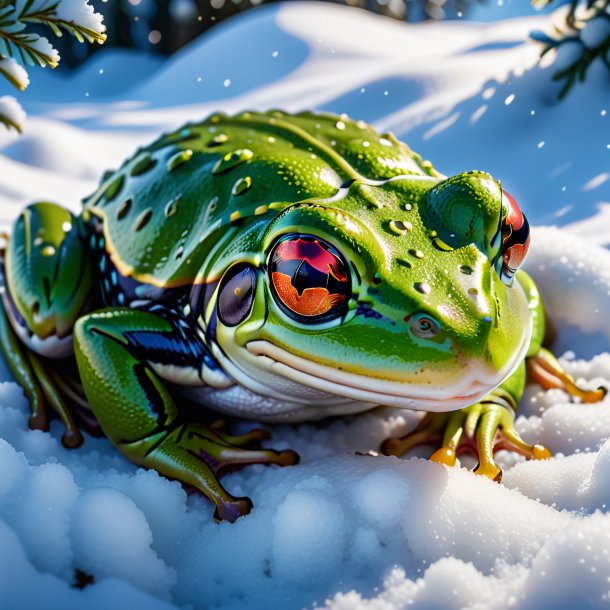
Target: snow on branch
<point>21,47</point>
<point>579,36</point>
<point>12,115</point>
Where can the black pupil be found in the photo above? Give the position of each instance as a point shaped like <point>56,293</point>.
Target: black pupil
<point>308,277</point>
<point>236,295</point>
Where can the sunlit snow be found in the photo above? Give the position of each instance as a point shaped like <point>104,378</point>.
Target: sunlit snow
<point>341,530</point>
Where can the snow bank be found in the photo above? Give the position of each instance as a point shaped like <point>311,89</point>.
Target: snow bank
<point>340,530</point>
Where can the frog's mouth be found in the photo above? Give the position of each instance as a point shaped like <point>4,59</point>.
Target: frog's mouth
<point>473,384</point>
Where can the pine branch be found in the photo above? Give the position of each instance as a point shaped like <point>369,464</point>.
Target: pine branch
<point>586,34</point>
<point>81,33</point>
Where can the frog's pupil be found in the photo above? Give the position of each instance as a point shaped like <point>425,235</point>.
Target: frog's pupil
<point>308,277</point>
<point>236,295</point>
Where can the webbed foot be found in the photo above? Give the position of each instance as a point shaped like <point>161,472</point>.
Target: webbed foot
<point>208,451</point>
<point>545,369</point>
<point>481,430</point>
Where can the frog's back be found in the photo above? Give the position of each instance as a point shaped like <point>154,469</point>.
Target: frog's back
<point>160,215</point>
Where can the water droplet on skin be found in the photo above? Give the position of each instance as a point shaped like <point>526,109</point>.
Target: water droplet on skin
<point>439,244</point>
<point>114,187</point>
<point>366,144</point>
<point>48,251</point>
<point>466,270</point>
<point>408,207</point>
<point>400,227</point>
<point>271,139</point>
<point>241,186</point>
<point>144,163</point>
<point>416,253</point>
<point>232,160</point>
<point>124,208</point>
<point>143,219</point>
<point>172,207</point>
<point>38,242</point>
<point>180,158</point>
<point>340,125</point>
<point>66,226</point>
<point>219,139</point>
<point>422,287</point>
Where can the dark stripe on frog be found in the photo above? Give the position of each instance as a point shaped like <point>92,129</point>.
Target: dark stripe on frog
<point>182,348</point>
<point>364,309</point>
<point>155,400</point>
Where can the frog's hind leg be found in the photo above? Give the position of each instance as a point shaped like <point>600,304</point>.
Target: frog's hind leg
<point>121,355</point>
<point>45,284</point>
<point>544,369</point>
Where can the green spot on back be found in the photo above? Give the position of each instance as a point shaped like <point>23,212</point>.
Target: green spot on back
<point>124,209</point>
<point>231,160</point>
<point>242,185</point>
<point>143,164</point>
<point>143,219</point>
<point>114,187</point>
<point>172,207</point>
<point>180,158</point>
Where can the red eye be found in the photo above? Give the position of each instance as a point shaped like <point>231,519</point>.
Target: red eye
<point>308,278</point>
<point>515,238</point>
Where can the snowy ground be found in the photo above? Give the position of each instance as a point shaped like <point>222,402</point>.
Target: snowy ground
<point>340,530</point>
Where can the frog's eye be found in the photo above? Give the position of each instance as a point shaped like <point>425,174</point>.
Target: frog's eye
<point>308,278</point>
<point>424,326</point>
<point>236,295</point>
<point>514,234</point>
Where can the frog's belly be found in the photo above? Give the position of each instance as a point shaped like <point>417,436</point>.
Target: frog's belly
<point>239,402</point>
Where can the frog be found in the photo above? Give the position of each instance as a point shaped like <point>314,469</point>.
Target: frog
<point>281,268</point>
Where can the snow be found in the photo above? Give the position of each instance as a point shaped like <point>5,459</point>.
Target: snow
<point>81,13</point>
<point>12,112</point>
<point>341,530</point>
<point>14,72</point>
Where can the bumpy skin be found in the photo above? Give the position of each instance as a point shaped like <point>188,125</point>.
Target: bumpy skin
<point>280,268</point>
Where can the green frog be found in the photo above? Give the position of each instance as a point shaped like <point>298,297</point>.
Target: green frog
<point>281,268</point>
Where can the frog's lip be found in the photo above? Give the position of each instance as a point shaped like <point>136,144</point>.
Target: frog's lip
<point>465,392</point>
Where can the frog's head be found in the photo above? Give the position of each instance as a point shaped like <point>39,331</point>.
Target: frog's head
<point>399,293</point>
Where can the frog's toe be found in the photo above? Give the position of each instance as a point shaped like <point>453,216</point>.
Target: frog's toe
<point>513,442</point>
<point>231,510</point>
<point>544,369</point>
<point>221,451</point>
<point>444,455</point>
<point>429,430</point>
<point>490,470</point>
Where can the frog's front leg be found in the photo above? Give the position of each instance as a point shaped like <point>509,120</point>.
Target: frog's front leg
<point>45,285</point>
<point>117,351</point>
